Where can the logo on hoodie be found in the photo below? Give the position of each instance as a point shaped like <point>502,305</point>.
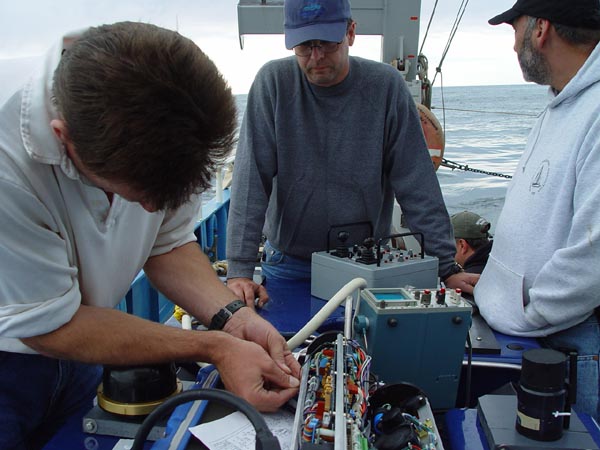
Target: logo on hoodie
<point>539,179</point>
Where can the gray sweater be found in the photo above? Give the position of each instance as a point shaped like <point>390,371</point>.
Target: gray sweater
<point>311,157</point>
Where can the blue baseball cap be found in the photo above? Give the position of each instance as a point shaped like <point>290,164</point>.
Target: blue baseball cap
<point>323,20</point>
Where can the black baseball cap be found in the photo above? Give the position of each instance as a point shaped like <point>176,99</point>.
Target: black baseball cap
<point>572,13</point>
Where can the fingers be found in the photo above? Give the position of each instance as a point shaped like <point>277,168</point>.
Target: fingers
<point>250,373</point>
<point>287,362</point>
<point>463,280</point>
<point>251,293</point>
<point>293,364</point>
<point>473,278</point>
<point>234,284</point>
<point>277,348</point>
<point>469,281</point>
<point>270,401</point>
<point>251,327</point>
<point>261,296</point>
<point>248,293</point>
<point>277,389</point>
<point>242,288</point>
<point>279,351</point>
<point>267,397</point>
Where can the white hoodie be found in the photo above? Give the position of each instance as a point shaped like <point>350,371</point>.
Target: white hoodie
<point>543,274</point>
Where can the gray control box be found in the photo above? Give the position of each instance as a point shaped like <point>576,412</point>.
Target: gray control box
<point>329,273</point>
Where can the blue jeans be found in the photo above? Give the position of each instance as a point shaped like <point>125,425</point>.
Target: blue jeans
<point>38,394</point>
<point>276,264</point>
<point>585,338</point>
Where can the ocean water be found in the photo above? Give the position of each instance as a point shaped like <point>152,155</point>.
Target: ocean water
<point>486,128</point>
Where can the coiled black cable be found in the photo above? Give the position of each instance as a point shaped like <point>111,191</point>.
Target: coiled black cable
<point>264,438</point>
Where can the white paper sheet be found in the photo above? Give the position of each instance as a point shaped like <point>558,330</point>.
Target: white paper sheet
<point>235,432</point>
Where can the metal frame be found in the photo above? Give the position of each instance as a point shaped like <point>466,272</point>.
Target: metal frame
<point>397,21</point>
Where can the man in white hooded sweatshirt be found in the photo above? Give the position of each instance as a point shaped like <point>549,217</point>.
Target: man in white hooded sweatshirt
<point>543,274</point>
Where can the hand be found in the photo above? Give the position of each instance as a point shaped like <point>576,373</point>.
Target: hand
<point>248,291</point>
<point>247,371</point>
<point>249,326</point>
<point>463,280</point>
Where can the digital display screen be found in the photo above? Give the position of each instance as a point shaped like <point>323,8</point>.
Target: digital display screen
<point>390,296</point>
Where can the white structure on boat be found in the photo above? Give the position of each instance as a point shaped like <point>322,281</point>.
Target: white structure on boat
<point>396,21</point>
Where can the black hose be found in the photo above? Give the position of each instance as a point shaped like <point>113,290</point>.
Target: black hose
<point>469,372</point>
<point>264,438</point>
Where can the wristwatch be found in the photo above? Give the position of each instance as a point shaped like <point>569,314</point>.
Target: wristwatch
<point>454,269</point>
<point>220,318</point>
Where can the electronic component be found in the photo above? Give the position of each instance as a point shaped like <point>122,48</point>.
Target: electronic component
<point>382,266</point>
<point>416,336</point>
<point>332,402</point>
<point>401,418</point>
<point>333,411</point>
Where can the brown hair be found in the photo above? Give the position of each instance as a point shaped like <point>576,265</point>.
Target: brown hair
<point>145,106</point>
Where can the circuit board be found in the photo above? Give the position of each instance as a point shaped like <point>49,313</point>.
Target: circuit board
<point>334,411</point>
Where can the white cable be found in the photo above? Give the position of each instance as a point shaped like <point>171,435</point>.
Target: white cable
<point>186,322</point>
<point>219,188</point>
<point>325,312</point>
<point>348,317</point>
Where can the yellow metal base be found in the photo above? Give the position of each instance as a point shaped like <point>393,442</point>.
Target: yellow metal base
<point>131,409</point>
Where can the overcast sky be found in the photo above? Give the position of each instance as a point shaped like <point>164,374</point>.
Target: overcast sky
<point>480,54</point>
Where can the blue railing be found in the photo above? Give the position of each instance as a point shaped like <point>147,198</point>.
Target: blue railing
<point>145,301</point>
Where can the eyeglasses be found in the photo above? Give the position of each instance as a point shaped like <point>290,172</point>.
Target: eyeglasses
<point>306,48</point>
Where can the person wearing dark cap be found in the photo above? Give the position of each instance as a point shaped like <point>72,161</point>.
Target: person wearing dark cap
<point>473,243</point>
<point>328,139</point>
<point>541,279</point>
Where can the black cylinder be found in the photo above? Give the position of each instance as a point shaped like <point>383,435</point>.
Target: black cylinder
<point>139,384</point>
<point>541,394</point>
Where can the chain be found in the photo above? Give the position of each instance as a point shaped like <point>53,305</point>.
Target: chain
<point>454,165</point>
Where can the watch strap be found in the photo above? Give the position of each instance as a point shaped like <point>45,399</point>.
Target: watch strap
<point>223,315</point>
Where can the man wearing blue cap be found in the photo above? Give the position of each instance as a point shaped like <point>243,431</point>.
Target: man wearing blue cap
<point>542,277</point>
<point>328,139</point>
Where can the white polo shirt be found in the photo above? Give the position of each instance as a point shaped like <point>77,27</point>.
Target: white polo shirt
<point>61,243</point>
